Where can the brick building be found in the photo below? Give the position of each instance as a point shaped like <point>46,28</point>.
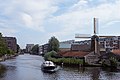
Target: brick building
<point>105,44</point>
<point>81,45</point>
<point>109,43</point>
<point>11,43</point>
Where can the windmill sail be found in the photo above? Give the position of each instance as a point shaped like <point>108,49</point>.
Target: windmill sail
<point>95,26</point>
<point>82,36</point>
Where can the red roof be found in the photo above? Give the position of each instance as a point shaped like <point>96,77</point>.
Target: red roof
<point>74,53</point>
<point>116,51</point>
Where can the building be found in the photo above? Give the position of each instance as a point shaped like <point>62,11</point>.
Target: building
<point>29,47</point>
<point>108,44</point>
<point>11,43</point>
<point>81,45</point>
<point>105,44</point>
<point>45,48</point>
<point>66,45</point>
<point>41,49</point>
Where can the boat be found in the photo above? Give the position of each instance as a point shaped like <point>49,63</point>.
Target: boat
<point>49,66</point>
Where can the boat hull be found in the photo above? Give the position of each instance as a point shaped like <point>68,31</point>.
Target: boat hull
<point>49,66</point>
<point>50,70</point>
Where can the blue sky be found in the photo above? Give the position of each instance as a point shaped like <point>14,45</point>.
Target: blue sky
<point>35,21</point>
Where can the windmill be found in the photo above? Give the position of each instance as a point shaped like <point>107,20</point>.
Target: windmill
<point>94,38</point>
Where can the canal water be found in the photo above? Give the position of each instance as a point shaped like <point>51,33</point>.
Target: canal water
<point>27,67</point>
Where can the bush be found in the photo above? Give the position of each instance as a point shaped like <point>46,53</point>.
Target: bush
<point>113,61</point>
<point>66,60</point>
<point>10,52</point>
<point>49,55</point>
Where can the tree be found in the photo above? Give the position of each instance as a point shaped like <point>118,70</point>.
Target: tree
<point>0,35</point>
<point>35,49</point>
<point>53,44</point>
<point>3,47</point>
<point>18,48</point>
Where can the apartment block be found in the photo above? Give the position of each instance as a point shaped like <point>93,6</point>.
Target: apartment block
<point>45,48</point>
<point>29,47</point>
<point>109,43</point>
<point>41,49</point>
<point>11,43</point>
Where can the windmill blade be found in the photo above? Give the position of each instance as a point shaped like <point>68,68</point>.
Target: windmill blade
<point>95,20</point>
<point>82,36</point>
<point>106,36</point>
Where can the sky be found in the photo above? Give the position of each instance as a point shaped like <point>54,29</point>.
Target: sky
<point>36,21</point>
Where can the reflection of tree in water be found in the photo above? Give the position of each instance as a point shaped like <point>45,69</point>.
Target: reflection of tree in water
<point>110,73</point>
<point>2,71</point>
<point>81,69</point>
<point>95,73</point>
<point>50,76</point>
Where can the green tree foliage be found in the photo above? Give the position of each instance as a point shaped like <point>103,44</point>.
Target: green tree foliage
<point>18,48</point>
<point>111,60</point>
<point>3,47</point>
<point>10,52</point>
<point>49,54</point>
<point>53,44</point>
<point>35,49</point>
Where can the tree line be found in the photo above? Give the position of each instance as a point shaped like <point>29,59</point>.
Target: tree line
<point>53,46</point>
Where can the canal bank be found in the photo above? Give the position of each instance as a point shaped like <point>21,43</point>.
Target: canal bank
<point>6,57</point>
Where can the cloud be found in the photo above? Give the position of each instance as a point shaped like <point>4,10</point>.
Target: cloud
<point>27,19</point>
<point>8,31</point>
<point>113,22</point>
<point>28,13</point>
<point>80,5</point>
<point>62,18</point>
<point>81,20</point>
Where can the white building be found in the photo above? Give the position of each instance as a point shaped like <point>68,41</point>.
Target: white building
<point>41,49</point>
<point>29,47</point>
<point>65,45</point>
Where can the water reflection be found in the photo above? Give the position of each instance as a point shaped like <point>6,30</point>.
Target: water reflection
<point>27,67</point>
<point>87,73</point>
<point>2,71</point>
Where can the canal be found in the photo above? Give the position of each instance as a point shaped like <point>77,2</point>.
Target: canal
<point>27,67</point>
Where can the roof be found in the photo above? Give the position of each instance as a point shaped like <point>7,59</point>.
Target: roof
<point>117,52</point>
<point>74,54</point>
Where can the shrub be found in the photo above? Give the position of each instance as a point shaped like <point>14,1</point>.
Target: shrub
<point>49,55</point>
<point>66,60</point>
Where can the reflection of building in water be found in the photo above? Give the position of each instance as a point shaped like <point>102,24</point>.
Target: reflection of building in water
<point>2,71</point>
<point>95,73</point>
